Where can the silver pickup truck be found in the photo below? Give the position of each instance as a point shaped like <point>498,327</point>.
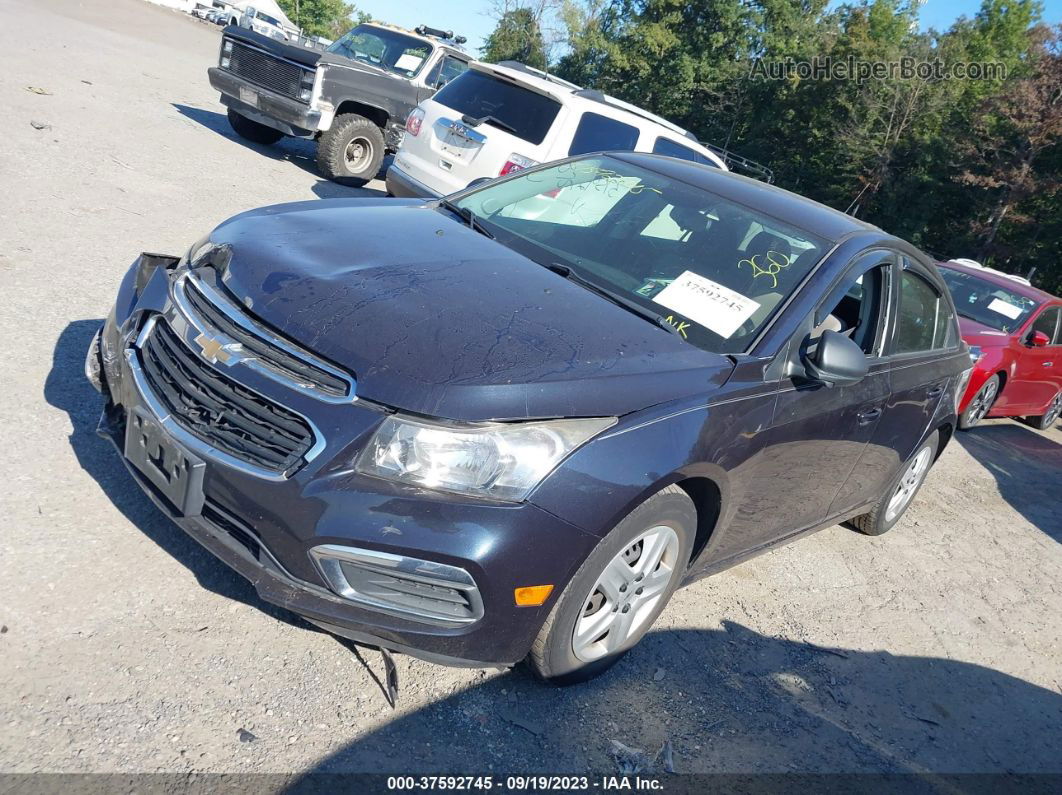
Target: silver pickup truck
<point>353,98</point>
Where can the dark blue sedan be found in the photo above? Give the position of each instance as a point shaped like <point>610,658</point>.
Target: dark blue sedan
<point>508,424</point>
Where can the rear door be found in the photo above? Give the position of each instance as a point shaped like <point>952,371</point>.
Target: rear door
<point>479,122</point>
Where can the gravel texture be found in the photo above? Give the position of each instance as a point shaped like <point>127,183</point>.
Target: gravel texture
<point>125,647</point>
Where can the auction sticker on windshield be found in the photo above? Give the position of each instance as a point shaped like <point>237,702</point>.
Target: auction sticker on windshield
<point>1003,308</point>
<point>703,301</point>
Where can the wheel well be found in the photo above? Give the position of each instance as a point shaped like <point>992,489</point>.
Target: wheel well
<point>708,502</point>
<point>1002,382</point>
<point>946,431</point>
<point>375,115</point>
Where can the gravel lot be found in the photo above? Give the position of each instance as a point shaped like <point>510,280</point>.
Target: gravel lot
<point>124,647</point>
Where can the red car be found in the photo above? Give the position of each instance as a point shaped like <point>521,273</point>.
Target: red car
<point>1015,336</point>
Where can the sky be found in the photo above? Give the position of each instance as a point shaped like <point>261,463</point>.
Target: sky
<point>469,17</point>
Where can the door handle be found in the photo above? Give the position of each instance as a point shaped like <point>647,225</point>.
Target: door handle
<point>1048,364</point>
<point>935,391</point>
<point>868,416</point>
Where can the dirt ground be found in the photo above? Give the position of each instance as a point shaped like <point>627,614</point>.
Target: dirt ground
<point>125,647</point>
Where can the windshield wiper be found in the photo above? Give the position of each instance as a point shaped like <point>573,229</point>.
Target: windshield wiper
<point>494,120</point>
<point>631,306</point>
<point>467,216</point>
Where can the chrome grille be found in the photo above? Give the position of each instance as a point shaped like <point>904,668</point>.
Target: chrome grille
<point>218,411</point>
<point>265,70</point>
<point>245,340</point>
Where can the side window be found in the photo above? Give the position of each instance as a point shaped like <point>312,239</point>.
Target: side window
<point>597,133</point>
<point>665,146</point>
<point>857,312</point>
<point>445,70</point>
<point>1047,322</point>
<point>923,319</point>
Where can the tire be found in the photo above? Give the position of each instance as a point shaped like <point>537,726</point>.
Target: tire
<point>352,150</point>
<point>1049,417</point>
<point>883,518</point>
<point>668,518</point>
<point>252,130</point>
<point>980,404</point>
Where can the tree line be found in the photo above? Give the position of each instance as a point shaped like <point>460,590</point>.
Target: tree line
<point>954,143</point>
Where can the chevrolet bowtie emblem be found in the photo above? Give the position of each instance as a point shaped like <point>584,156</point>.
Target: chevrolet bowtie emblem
<point>213,351</point>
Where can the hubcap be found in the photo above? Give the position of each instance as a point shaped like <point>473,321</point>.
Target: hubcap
<point>622,600</point>
<point>358,154</point>
<point>983,401</point>
<point>912,477</point>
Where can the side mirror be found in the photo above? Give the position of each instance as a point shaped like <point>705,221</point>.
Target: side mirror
<point>836,361</point>
<point>1038,339</point>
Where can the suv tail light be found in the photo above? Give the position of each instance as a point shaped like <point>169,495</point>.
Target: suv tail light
<point>413,120</point>
<point>516,163</point>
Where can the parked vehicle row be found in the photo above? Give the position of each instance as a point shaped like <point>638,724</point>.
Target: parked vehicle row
<point>507,424</point>
<point>374,91</point>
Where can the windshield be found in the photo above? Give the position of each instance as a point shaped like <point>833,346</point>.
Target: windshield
<point>987,303</point>
<point>385,49</point>
<point>714,269</point>
<point>266,18</point>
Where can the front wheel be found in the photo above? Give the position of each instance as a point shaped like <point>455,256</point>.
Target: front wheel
<point>351,151</point>
<point>1049,417</point>
<point>980,404</point>
<point>252,130</point>
<point>901,491</point>
<point>618,592</point>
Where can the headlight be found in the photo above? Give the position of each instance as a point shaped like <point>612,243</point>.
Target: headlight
<point>498,461</point>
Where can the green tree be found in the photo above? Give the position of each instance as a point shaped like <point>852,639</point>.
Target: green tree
<point>517,37</point>
<point>328,18</point>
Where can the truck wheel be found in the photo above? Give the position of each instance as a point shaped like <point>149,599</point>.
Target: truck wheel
<point>252,130</point>
<point>352,150</point>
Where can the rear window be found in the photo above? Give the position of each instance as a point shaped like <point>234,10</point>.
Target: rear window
<point>665,146</point>
<point>597,133</point>
<point>523,113</point>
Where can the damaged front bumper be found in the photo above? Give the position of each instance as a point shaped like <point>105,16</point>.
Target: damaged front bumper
<point>427,574</point>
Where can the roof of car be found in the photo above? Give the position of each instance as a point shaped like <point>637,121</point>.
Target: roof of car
<point>800,211</point>
<point>1000,280</point>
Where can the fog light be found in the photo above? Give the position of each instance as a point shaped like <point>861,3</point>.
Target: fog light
<point>305,94</point>
<point>225,62</point>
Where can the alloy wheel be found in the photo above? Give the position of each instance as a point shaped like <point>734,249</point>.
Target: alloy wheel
<point>983,401</point>
<point>625,595</point>
<point>909,483</point>
<point>1053,411</point>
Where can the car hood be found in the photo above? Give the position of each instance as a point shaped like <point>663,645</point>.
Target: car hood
<point>974,333</point>
<point>434,318</point>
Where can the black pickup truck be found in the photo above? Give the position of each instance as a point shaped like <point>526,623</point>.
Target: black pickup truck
<point>353,98</point>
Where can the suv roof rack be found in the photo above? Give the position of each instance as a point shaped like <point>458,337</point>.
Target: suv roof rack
<point>741,165</point>
<point>517,66</point>
<point>435,33</point>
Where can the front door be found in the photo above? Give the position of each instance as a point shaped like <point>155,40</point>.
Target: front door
<point>923,327</point>
<point>819,433</point>
<point>1037,377</point>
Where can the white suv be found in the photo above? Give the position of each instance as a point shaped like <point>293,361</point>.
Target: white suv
<point>498,118</point>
